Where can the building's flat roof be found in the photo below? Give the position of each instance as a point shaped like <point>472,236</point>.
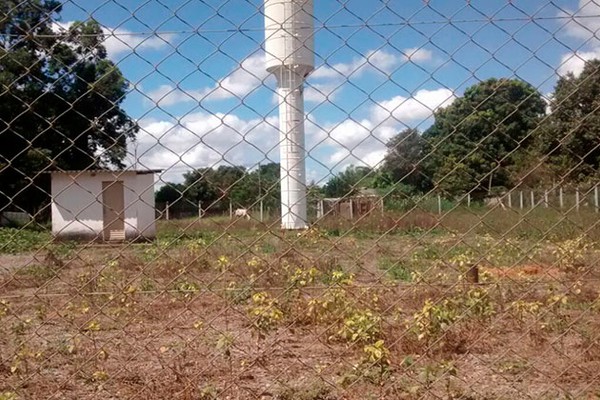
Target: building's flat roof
<point>97,171</point>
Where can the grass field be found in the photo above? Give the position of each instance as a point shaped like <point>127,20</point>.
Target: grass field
<point>379,308</point>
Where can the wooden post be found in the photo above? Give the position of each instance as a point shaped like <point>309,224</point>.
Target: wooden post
<point>521,199</point>
<point>577,199</point>
<point>510,199</point>
<point>561,200</point>
<point>199,210</point>
<point>439,204</point>
<point>469,200</point>
<point>167,210</point>
<point>351,209</point>
<point>532,200</point>
<point>261,211</point>
<point>320,209</point>
<point>546,199</point>
<point>230,210</point>
<point>596,205</point>
<point>473,274</point>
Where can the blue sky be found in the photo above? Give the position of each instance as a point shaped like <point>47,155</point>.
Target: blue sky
<point>203,98</point>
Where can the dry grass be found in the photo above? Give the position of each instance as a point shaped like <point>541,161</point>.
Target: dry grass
<point>217,310</point>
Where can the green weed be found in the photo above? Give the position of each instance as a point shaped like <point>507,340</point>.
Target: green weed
<point>396,269</point>
<point>14,241</point>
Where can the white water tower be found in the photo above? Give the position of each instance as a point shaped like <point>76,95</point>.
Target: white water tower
<point>289,47</point>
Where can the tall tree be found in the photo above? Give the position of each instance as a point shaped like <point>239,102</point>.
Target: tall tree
<point>572,137</point>
<point>480,135</point>
<point>59,99</point>
<point>404,157</point>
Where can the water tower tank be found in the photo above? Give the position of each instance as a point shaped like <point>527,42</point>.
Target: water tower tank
<point>289,34</point>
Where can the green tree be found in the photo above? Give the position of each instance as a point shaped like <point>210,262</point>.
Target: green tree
<point>349,181</point>
<point>216,187</point>
<point>403,161</point>
<point>59,100</point>
<point>572,136</point>
<point>171,193</point>
<point>480,136</point>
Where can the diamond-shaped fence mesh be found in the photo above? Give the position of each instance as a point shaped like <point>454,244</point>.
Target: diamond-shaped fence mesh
<point>238,199</point>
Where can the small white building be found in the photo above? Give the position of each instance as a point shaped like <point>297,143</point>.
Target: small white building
<point>103,205</point>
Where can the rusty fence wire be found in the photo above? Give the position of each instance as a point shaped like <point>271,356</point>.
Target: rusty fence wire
<point>447,156</point>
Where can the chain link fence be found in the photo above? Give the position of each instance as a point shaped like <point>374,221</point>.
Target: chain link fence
<point>452,152</point>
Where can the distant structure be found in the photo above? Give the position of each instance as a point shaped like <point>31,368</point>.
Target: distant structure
<point>364,203</point>
<point>289,46</point>
<point>103,205</point>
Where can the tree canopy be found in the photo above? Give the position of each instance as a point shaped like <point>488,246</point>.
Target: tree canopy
<point>60,99</point>
<point>572,137</point>
<point>474,142</point>
<point>404,158</point>
<point>216,187</point>
<point>349,181</point>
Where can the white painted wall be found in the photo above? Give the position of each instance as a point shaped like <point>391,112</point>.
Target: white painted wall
<point>77,204</point>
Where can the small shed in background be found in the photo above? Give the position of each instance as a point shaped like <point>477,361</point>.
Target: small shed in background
<point>103,205</point>
<point>367,201</point>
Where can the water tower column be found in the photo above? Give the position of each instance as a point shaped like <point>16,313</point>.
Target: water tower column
<point>290,56</point>
<point>292,148</point>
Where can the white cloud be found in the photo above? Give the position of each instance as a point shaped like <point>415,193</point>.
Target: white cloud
<point>120,40</point>
<point>418,55</point>
<point>244,79</point>
<point>166,95</point>
<point>380,61</point>
<point>574,62</point>
<point>584,23</point>
<point>203,140</point>
<point>362,142</point>
<point>321,92</point>
<point>251,74</point>
<point>404,110</point>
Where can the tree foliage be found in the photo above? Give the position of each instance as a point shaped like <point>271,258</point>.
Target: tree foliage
<point>216,187</point>
<point>349,182</point>
<point>59,99</point>
<point>572,137</point>
<point>474,142</point>
<point>403,160</point>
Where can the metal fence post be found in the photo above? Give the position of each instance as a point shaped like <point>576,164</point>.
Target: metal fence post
<point>521,201</point>
<point>532,200</point>
<point>561,198</point>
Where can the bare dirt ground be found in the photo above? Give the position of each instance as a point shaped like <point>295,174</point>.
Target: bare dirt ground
<point>313,316</point>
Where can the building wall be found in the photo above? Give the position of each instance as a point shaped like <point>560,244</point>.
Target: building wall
<point>143,202</point>
<point>77,204</point>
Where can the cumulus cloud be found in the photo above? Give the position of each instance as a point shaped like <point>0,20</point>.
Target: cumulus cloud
<point>574,62</point>
<point>362,142</point>
<point>204,140</point>
<point>420,107</point>
<point>381,61</point>
<point>251,74</point>
<point>119,40</point>
<point>243,80</point>
<point>583,23</point>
